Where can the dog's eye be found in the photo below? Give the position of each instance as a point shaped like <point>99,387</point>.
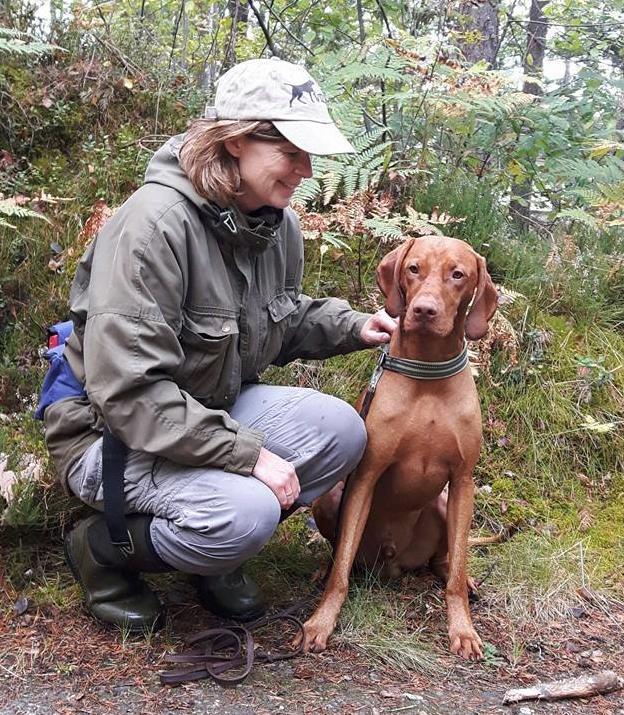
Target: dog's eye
<point>413,269</point>
<point>457,275</point>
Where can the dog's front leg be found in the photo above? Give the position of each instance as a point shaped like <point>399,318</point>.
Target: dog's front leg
<point>356,508</point>
<point>463,637</point>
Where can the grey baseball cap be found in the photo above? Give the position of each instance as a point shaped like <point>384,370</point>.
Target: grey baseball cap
<point>285,95</point>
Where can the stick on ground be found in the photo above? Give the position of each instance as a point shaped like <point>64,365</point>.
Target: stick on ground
<point>583,687</point>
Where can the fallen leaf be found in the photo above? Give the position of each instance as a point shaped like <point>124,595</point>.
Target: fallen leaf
<point>586,519</point>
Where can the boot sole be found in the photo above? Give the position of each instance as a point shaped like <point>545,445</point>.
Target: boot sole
<point>134,629</point>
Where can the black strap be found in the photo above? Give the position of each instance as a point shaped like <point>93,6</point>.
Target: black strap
<point>114,453</point>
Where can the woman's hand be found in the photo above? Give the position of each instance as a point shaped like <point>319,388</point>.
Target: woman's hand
<point>378,328</point>
<point>279,475</point>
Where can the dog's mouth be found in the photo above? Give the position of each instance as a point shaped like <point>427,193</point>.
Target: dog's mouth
<point>426,325</point>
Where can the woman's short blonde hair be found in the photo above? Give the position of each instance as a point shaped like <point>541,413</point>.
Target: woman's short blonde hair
<point>212,170</point>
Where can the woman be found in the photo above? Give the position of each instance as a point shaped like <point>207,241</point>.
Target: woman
<point>188,293</point>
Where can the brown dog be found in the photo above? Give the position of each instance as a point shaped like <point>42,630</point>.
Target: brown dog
<point>422,436</point>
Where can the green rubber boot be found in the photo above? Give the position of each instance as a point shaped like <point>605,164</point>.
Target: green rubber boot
<point>234,596</point>
<point>114,593</point>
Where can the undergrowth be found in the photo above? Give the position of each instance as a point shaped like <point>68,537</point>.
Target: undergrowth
<point>551,471</point>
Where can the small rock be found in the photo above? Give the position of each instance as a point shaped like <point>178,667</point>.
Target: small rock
<point>20,606</point>
<point>525,711</point>
<point>414,698</point>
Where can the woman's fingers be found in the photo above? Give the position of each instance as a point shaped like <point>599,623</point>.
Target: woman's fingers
<point>279,475</point>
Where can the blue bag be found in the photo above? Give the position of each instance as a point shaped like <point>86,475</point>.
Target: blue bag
<point>60,382</point>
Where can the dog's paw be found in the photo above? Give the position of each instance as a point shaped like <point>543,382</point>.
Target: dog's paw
<point>316,632</point>
<point>466,643</point>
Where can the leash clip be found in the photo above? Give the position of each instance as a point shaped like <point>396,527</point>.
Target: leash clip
<point>379,368</point>
<point>372,385</point>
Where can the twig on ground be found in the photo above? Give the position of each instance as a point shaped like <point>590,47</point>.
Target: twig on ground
<point>583,687</point>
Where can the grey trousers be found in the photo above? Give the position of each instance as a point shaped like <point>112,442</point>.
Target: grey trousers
<point>207,521</point>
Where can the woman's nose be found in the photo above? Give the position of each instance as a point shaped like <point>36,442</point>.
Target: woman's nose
<point>304,165</point>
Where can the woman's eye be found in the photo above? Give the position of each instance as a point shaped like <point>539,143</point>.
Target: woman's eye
<point>457,275</point>
<point>413,269</point>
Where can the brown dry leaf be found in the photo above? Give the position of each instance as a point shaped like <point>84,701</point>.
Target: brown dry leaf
<point>100,213</point>
<point>54,265</point>
<point>6,159</point>
<point>586,519</point>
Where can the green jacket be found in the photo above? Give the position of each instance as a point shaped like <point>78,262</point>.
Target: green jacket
<point>175,305</point>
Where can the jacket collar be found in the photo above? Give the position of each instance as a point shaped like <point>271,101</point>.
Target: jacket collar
<point>257,230</point>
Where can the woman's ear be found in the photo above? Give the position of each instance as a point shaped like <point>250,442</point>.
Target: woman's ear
<point>234,146</point>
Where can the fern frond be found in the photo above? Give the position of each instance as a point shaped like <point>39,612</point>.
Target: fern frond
<point>13,42</point>
<point>387,229</point>
<point>8,207</point>
<point>580,215</point>
<point>307,191</point>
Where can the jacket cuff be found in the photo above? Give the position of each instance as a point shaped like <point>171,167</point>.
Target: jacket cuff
<point>245,452</point>
<point>355,341</point>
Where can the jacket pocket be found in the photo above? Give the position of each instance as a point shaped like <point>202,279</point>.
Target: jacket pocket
<point>210,346</point>
<point>280,308</point>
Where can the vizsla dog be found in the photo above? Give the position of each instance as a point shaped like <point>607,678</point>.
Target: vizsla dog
<point>423,434</point>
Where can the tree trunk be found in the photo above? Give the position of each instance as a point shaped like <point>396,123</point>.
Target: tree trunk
<point>478,21</point>
<point>238,10</point>
<point>360,17</point>
<point>533,64</point>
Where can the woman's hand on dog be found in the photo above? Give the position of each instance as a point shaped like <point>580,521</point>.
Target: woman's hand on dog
<point>378,329</point>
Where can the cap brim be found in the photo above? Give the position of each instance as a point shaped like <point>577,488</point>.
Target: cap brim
<point>314,137</point>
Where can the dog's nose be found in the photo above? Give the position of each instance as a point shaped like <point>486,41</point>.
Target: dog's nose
<point>425,309</point>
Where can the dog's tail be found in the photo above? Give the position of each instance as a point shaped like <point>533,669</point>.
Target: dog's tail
<point>503,535</point>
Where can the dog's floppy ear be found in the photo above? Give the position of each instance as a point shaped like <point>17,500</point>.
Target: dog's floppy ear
<point>388,278</point>
<point>484,305</point>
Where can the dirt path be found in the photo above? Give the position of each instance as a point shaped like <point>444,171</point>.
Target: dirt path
<point>60,663</point>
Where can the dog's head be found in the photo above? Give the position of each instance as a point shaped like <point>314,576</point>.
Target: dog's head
<point>430,282</point>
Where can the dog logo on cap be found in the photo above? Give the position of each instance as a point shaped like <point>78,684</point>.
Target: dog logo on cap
<point>298,90</point>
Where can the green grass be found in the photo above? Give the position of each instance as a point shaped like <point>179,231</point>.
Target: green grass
<point>544,470</point>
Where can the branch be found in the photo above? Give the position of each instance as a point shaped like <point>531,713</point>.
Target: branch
<point>175,33</point>
<point>384,18</point>
<point>264,29</point>
<point>585,686</point>
<point>283,24</point>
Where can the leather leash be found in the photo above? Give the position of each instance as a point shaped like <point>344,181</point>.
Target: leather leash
<point>216,652</point>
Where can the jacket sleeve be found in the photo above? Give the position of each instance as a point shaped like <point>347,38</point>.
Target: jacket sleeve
<point>132,352</point>
<point>320,327</point>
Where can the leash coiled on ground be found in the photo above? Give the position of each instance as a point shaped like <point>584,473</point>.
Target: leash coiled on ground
<point>216,652</point>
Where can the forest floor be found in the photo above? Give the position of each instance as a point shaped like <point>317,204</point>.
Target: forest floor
<point>55,660</point>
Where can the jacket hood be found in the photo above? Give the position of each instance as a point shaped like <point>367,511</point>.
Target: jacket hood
<point>257,229</point>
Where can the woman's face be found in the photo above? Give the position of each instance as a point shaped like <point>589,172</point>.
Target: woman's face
<point>270,171</point>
